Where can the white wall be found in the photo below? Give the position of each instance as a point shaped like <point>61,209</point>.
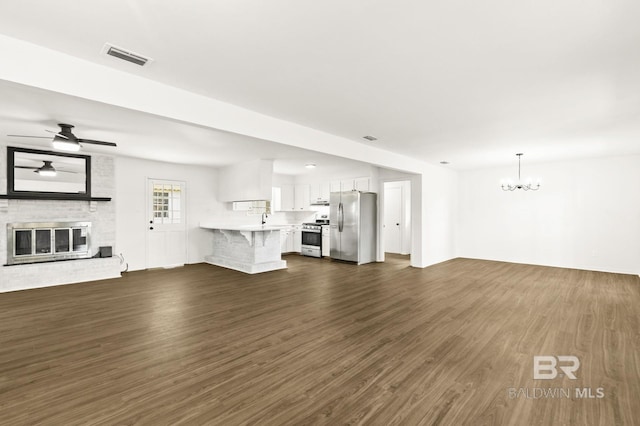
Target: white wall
<point>438,210</point>
<point>586,215</point>
<point>131,209</point>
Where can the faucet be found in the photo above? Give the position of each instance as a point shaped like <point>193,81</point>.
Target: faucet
<point>264,218</point>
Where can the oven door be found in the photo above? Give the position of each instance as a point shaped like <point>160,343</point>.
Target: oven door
<point>312,238</point>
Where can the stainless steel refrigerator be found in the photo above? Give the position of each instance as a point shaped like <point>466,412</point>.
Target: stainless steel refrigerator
<point>353,221</point>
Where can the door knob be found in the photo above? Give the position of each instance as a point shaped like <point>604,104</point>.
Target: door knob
<point>151,227</point>
<point>397,224</point>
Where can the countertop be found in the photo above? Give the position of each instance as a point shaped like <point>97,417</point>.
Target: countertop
<point>243,228</point>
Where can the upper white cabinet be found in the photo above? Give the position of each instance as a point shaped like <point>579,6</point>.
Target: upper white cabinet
<point>287,203</point>
<point>361,184</point>
<point>292,198</point>
<point>319,193</point>
<point>357,184</point>
<point>301,197</point>
<point>276,199</point>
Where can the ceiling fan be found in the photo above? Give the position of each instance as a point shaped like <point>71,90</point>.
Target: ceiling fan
<point>67,141</point>
<point>46,169</point>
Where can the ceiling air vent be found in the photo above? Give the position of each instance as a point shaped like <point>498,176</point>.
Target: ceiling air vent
<point>125,55</point>
<point>370,138</point>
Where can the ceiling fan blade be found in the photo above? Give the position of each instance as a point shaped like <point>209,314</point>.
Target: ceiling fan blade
<point>56,133</point>
<point>90,141</point>
<point>25,136</point>
<point>25,167</point>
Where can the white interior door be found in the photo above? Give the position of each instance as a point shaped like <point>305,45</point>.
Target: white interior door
<point>393,223</point>
<point>166,227</point>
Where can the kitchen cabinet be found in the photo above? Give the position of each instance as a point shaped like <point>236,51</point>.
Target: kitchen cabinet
<point>296,236</point>
<point>291,198</point>
<point>287,198</point>
<point>325,191</point>
<point>284,241</point>
<point>357,184</point>
<point>291,239</point>
<point>276,199</point>
<point>361,184</point>
<point>301,197</point>
<point>326,240</point>
<point>319,193</point>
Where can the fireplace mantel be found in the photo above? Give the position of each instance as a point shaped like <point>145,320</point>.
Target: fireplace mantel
<point>52,197</point>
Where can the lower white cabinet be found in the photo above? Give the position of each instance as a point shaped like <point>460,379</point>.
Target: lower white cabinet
<point>291,239</point>
<point>326,240</point>
<point>284,241</point>
<point>296,235</point>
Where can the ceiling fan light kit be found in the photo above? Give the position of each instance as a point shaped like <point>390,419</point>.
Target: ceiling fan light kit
<point>519,185</point>
<point>65,144</point>
<point>47,170</point>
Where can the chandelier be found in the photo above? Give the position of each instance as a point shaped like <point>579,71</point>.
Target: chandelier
<point>519,185</point>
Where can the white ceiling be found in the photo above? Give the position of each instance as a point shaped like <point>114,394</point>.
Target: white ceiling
<point>31,111</point>
<point>468,82</point>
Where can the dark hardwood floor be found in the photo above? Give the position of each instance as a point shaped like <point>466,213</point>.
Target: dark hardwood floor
<point>322,343</point>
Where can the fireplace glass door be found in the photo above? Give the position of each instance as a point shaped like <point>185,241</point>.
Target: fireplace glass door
<point>23,242</point>
<point>62,240</point>
<point>45,242</point>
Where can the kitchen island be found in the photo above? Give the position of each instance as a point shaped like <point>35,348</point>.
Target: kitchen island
<point>246,248</point>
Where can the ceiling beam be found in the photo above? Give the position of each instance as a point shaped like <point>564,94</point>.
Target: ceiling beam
<point>33,65</point>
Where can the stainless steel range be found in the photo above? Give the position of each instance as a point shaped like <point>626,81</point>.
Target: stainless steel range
<point>312,238</point>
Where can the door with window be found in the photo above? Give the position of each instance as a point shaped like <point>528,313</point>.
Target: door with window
<point>166,227</point>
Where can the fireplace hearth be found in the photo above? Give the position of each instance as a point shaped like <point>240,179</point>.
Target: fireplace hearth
<point>33,242</point>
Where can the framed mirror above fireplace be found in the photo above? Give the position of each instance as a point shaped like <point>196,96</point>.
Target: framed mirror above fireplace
<point>37,174</point>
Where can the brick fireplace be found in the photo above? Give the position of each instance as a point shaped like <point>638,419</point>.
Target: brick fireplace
<point>47,217</point>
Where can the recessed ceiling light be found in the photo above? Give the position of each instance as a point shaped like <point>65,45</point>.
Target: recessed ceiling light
<point>370,138</point>
<point>444,162</point>
<point>310,166</point>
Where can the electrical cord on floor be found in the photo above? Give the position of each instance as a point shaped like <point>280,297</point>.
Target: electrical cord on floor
<point>122,262</point>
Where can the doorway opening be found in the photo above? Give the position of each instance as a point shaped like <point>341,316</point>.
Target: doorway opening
<point>396,228</point>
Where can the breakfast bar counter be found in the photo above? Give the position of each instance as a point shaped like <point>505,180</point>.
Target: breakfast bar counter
<point>246,248</point>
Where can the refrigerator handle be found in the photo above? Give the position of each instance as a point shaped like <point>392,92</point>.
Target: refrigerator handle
<point>340,217</point>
